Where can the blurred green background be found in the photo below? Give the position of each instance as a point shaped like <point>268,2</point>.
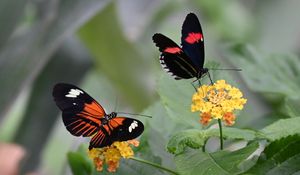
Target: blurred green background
<point>105,47</point>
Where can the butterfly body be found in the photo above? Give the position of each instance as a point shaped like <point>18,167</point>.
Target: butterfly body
<point>187,61</point>
<point>83,116</point>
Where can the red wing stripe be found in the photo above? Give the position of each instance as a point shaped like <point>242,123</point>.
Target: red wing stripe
<point>193,37</point>
<point>87,125</point>
<point>88,131</point>
<point>81,123</point>
<point>76,121</point>
<point>102,138</point>
<point>172,50</point>
<point>98,138</point>
<point>107,129</point>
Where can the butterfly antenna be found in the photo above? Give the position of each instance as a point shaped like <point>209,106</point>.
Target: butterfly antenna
<point>233,69</point>
<point>135,114</point>
<point>116,103</point>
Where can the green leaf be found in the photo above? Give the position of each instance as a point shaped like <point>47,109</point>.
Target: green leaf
<point>280,157</point>
<point>282,128</point>
<point>292,106</point>
<point>193,162</point>
<point>194,138</point>
<point>129,166</point>
<point>116,57</point>
<point>273,75</point>
<point>80,164</point>
<point>189,138</point>
<point>176,97</point>
<point>160,128</point>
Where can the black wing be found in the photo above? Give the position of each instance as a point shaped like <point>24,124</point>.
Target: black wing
<point>117,129</point>
<point>81,113</point>
<point>192,40</point>
<point>173,59</point>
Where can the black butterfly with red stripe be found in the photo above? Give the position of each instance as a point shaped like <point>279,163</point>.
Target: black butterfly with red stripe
<point>187,61</point>
<point>84,116</point>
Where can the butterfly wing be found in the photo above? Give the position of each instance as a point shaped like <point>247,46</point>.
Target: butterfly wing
<point>192,40</point>
<point>173,59</point>
<point>80,112</point>
<point>117,129</point>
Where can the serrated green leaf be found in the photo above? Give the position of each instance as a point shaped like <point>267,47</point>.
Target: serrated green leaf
<point>282,128</point>
<point>193,162</point>
<point>188,138</point>
<point>196,138</point>
<point>280,157</point>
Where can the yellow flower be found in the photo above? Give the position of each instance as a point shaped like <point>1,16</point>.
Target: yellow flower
<point>217,101</point>
<point>124,149</point>
<point>112,154</point>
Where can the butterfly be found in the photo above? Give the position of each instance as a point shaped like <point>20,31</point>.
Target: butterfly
<point>84,116</point>
<point>187,61</point>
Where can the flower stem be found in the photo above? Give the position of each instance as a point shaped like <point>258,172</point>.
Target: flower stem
<point>154,165</point>
<point>221,134</point>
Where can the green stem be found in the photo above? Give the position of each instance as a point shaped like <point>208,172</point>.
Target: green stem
<point>203,147</point>
<point>154,165</point>
<point>221,134</point>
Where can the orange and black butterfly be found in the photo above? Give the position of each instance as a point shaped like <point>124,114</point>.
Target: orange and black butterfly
<point>84,116</point>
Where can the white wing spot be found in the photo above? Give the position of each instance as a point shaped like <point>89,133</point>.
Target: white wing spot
<point>165,67</point>
<point>132,126</point>
<point>73,93</point>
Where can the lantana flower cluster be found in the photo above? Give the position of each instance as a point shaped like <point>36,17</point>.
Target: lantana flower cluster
<point>111,155</point>
<point>217,101</point>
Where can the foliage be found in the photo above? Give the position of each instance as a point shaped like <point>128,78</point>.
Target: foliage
<point>105,47</point>
<point>197,138</point>
<point>220,162</point>
<point>280,157</point>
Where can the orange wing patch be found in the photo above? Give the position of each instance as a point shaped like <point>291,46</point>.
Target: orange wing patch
<point>94,109</point>
<point>86,122</point>
<point>115,122</point>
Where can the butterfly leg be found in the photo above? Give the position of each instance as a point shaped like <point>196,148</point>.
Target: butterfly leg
<point>199,83</point>
<point>211,82</point>
<point>192,83</point>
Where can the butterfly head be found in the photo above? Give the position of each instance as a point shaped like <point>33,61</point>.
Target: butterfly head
<point>112,115</point>
<point>204,70</point>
